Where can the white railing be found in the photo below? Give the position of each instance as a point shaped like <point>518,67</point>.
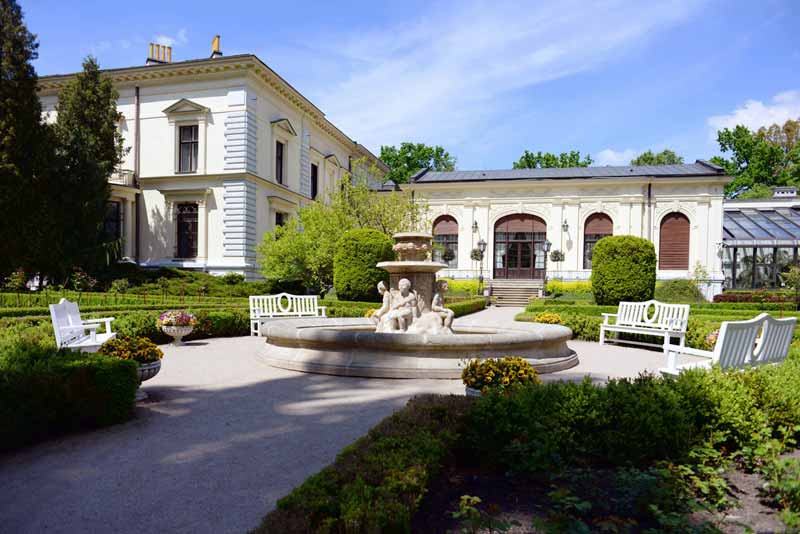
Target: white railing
<point>122,177</point>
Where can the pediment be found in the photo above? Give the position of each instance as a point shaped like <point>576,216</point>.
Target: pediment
<point>333,159</point>
<point>284,125</point>
<point>184,105</point>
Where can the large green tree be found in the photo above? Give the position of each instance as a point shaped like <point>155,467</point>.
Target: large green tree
<point>760,160</point>
<point>304,247</point>
<point>23,140</point>
<point>544,160</point>
<point>410,158</point>
<point>89,149</point>
<point>665,157</point>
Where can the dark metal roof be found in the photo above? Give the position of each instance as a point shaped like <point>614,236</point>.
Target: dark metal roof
<point>751,227</point>
<point>700,168</point>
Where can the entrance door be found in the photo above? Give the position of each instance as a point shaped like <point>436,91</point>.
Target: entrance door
<point>517,243</point>
<point>187,230</point>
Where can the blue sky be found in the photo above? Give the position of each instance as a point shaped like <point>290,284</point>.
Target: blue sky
<point>486,80</point>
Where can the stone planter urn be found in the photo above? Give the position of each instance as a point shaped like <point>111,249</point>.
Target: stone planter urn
<point>177,333</point>
<point>146,372</point>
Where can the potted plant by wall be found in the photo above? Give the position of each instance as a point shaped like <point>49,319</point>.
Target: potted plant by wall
<point>139,349</point>
<point>177,324</point>
<point>497,374</point>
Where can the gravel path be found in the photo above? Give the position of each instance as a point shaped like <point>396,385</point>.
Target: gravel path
<point>223,437</point>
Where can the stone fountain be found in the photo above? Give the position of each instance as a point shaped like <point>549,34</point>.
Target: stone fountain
<point>410,336</point>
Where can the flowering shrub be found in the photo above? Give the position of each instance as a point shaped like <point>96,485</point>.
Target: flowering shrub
<point>498,373</point>
<point>138,349</point>
<point>547,318</point>
<point>176,318</point>
<point>711,339</point>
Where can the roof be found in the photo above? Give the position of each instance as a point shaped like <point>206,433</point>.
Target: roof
<point>381,186</point>
<point>699,168</point>
<point>749,227</point>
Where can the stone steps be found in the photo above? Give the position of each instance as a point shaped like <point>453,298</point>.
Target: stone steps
<point>515,292</point>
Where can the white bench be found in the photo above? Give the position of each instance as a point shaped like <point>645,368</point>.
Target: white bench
<point>74,333</point>
<point>283,305</point>
<point>739,345</point>
<point>666,320</point>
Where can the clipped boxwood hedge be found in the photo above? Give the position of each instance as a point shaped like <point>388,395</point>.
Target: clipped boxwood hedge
<point>679,291</point>
<point>355,275</point>
<point>623,269</point>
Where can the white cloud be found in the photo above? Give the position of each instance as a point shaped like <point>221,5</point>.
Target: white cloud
<point>754,114</point>
<point>451,73</point>
<point>179,39</point>
<point>609,156</point>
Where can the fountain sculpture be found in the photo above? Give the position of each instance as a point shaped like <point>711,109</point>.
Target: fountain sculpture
<point>411,334</point>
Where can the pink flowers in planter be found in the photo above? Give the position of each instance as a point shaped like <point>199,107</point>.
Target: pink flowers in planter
<point>176,318</point>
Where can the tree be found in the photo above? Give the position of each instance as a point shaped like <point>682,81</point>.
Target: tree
<point>411,158</point>
<point>544,160</point>
<point>665,157</point>
<point>23,143</point>
<point>89,150</point>
<point>304,247</point>
<point>760,160</point>
<point>355,274</point>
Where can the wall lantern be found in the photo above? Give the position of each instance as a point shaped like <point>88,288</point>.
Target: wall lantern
<point>482,246</point>
<point>474,227</point>
<point>546,246</point>
<point>565,226</point>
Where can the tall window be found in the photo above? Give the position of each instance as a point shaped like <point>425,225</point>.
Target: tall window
<point>279,148</point>
<point>445,233</point>
<point>673,245</point>
<point>187,139</point>
<point>314,181</point>
<point>187,230</point>
<point>112,224</point>
<point>280,218</point>
<point>598,226</point>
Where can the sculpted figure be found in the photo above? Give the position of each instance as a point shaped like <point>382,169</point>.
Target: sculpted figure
<point>386,306</point>
<point>403,308</point>
<point>437,305</point>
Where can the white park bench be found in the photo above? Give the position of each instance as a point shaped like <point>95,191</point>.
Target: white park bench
<point>652,318</point>
<point>739,345</point>
<point>74,333</point>
<point>283,305</point>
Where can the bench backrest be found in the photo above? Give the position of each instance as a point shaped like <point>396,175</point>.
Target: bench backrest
<point>739,343</point>
<point>663,316</point>
<point>66,313</point>
<point>284,304</point>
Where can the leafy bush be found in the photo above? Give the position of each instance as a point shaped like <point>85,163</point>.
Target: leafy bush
<point>498,373</point>
<point>355,275</point>
<point>462,287</point>
<point>547,318</point>
<point>679,291</point>
<point>623,268</point>
<point>466,307</point>
<point>139,349</point>
<point>140,324</point>
<point>556,288</point>
<point>377,483</point>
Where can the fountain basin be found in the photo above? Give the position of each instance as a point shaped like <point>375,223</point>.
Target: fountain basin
<point>351,347</point>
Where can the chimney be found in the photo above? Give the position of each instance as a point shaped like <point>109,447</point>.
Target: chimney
<point>159,54</point>
<point>788,191</point>
<point>215,52</point>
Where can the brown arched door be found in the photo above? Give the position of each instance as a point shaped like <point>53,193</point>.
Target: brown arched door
<point>518,241</point>
<point>673,242</point>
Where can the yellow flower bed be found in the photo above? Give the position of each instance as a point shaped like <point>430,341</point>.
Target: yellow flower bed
<point>498,373</point>
<point>547,318</point>
<point>138,349</point>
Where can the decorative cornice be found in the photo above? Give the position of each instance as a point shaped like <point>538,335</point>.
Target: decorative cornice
<point>285,125</point>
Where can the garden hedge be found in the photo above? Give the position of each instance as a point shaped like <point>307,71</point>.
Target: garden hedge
<point>623,268</point>
<point>355,276</point>
<point>678,291</point>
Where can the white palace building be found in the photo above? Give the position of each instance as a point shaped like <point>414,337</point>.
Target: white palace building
<point>221,150</point>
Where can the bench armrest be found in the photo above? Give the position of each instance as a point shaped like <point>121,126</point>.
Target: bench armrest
<point>607,316</point>
<point>104,320</point>
<point>673,351</point>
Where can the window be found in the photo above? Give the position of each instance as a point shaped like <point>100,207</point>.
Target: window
<point>112,224</point>
<point>187,230</point>
<point>280,218</point>
<point>598,226</point>
<point>445,234</point>
<point>314,180</point>
<point>187,140</point>
<point>279,147</point>
<point>673,246</point>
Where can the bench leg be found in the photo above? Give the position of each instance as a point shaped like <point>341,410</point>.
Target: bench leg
<point>602,335</point>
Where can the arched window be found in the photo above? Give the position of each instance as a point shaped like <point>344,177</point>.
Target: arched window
<point>598,226</point>
<point>673,243</point>
<point>445,233</point>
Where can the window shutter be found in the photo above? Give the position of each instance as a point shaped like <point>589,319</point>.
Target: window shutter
<point>673,249</point>
<point>445,225</point>
<point>599,223</point>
